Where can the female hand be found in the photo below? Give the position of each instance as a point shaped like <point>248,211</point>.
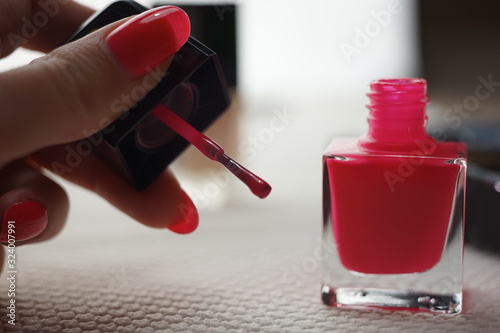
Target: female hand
<point>68,95</point>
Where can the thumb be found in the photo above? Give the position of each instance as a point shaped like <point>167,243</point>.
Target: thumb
<point>72,92</point>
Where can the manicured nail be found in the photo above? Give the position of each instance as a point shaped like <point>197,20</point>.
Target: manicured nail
<point>189,221</point>
<point>23,221</point>
<point>149,39</point>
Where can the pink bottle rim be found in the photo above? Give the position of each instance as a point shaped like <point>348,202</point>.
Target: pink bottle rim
<point>398,84</point>
<point>386,92</point>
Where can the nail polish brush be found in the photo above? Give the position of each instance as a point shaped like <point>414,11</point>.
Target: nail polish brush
<point>211,149</point>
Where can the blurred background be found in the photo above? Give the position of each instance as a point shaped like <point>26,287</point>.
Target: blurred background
<point>299,72</point>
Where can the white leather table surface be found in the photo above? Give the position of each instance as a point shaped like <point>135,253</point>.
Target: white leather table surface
<point>248,268</point>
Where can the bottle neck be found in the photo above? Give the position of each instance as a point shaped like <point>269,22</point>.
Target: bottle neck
<point>397,117</point>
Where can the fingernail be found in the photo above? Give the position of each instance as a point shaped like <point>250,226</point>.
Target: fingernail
<point>189,221</point>
<point>23,220</point>
<point>149,39</point>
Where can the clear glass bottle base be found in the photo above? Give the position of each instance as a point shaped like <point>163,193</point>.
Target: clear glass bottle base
<point>394,299</point>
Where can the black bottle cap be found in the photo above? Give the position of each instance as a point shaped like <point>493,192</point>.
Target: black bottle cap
<point>139,147</point>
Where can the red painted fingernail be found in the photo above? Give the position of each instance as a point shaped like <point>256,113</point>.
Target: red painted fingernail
<point>23,221</point>
<point>149,39</point>
<point>189,221</point>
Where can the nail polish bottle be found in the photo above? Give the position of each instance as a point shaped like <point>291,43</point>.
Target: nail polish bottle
<point>393,209</point>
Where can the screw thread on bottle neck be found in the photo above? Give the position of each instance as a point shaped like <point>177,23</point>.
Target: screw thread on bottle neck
<point>397,112</point>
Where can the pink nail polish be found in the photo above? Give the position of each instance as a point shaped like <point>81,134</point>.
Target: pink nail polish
<point>149,39</point>
<point>189,220</point>
<point>393,209</point>
<point>24,220</point>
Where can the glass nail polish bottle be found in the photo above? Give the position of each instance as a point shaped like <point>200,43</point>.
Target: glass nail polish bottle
<point>393,209</point>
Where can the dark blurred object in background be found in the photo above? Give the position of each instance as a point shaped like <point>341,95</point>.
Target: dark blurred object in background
<point>215,26</point>
<point>482,221</point>
<point>460,40</point>
<point>460,44</point>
